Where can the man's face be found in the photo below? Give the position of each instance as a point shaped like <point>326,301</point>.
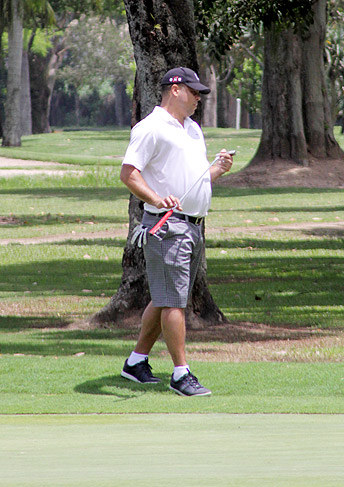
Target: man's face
<point>188,99</point>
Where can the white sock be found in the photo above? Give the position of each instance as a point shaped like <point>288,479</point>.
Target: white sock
<point>179,371</point>
<point>136,358</point>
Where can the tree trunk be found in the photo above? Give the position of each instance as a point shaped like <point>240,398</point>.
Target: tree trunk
<point>163,37</point>
<point>11,130</point>
<point>3,73</point>
<point>25,97</point>
<point>40,93</point>
<point>295,108</point>
<point>209,115</point>
<point>43,76</point>
<point>121,104</point>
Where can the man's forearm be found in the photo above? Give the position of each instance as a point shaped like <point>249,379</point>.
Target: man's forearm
<point>132,178</point>
<point>216,172</point>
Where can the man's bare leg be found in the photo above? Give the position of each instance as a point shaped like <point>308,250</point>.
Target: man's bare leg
<point>173,328</point>
<point>136,367</point>
<point>183,382</point>
<point>150,329</point>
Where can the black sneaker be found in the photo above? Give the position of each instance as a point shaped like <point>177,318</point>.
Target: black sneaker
<point>140,372</point>
<point>188,385</point>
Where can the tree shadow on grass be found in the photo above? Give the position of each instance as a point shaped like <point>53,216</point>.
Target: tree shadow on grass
<point>227,191</point>
<point>123,389</point>
<point>253,242</point>
<point>47,220</point>
<point>65,277</point>
<point>62,343</point>
<point>81,194</point>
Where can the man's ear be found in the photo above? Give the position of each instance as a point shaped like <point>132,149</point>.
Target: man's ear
<point>175,89</point>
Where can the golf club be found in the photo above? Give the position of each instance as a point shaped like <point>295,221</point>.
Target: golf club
<point>167,215</point>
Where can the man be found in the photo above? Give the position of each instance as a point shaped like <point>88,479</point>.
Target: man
<point>165,157</point>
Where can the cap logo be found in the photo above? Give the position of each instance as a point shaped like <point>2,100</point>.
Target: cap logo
<point>196,76</point>
<point>175,79</point>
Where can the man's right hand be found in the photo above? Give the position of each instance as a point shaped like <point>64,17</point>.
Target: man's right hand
<point>169,202</point>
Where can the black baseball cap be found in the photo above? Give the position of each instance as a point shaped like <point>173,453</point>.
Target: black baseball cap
<point>185,76</point>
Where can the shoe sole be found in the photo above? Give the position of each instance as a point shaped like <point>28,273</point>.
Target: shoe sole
<point>134,379</point>
<point>190,395</point>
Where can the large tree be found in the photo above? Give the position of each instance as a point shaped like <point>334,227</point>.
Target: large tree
<point>297,124</point>
<point>163,36</point>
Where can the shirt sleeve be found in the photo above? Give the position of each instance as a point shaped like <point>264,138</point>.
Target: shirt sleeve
<point>141,147</point>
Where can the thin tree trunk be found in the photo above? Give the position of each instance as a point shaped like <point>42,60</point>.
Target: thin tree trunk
<point>209,115</point>
<point>43,72</point>
<point>121,100</point>
<point>2,70</point>
<point>25,97</point>
<point>77,109</point>
<point>163,37</point>
<point>12,132</point>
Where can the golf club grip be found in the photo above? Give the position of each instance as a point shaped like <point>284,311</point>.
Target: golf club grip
<point>160,223</point>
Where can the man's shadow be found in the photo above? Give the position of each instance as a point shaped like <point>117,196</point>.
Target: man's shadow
<point>121,388</point>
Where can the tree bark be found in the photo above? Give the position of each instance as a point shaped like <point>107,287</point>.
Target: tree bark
<point>208,75</point>
<point>163,37</point>
<point>25,97</point>
<point>40,93</point>
<point>43,72</point>
<point>3,72</point>
<point>295,107</point>
<point>11,130</point>
<point>121,104</point>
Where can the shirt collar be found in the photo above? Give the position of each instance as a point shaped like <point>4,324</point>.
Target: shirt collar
<point>170,119</point>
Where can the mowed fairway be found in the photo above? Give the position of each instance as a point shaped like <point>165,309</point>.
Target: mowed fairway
<point>172,450</point>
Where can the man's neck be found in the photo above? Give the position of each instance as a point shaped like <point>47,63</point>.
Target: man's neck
<point>173,112</point>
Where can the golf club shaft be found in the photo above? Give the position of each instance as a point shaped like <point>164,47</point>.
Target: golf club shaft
<point>167,215</point>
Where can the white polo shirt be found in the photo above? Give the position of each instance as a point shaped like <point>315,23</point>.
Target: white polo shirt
<point>171,158</point>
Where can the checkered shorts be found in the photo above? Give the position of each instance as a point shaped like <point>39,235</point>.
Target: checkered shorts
<point>172,258</point>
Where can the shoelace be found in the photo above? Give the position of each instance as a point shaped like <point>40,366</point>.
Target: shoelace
<point>192,380</point>
<point>147,368</point>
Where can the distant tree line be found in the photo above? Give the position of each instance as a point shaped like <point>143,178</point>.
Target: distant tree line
<point>73,61</point>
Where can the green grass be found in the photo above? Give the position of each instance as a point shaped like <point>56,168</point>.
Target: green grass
<point>280,277</point>
<point>107,148</point>
<point>227,450</point>
<point>79,147</point>
<point>59,373</point>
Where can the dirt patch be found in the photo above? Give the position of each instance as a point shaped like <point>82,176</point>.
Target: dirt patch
<point>8,162</point>
<point>320,173</point>
<point>22,167</point>
<point>9,220</point>
<point>249,342</point>
<point>65,237</point>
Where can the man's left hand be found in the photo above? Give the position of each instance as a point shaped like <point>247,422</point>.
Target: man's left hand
<point>226,161</point>
<point>223,165</point>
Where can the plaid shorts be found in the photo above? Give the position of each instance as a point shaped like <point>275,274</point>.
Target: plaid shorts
<point>172,258</point>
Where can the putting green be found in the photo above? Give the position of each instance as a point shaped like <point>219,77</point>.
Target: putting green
<point>172,450</point>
